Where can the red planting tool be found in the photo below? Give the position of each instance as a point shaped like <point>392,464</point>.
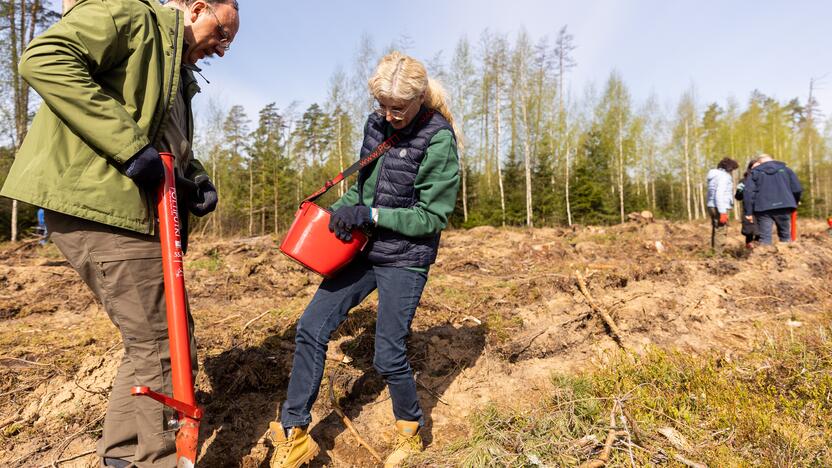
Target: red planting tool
<point>183,401</point>
<point>794,225</point>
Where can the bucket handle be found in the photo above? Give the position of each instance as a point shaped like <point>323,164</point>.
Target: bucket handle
<point>365,161</point>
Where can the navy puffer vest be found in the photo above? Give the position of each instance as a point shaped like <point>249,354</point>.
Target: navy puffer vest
<point>395,189</point>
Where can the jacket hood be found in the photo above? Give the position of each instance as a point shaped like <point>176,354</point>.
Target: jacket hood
<point>771,167</point>
<point>713,173</point>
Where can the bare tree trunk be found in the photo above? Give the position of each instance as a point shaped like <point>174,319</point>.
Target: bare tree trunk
<point>568,205</point>
<point>527,165</point>
<point>810,127</point>
<point>463,170</point>
<point>653,177</point>
<point>20,33</point>
<point>497,149</point>
<point>250,199</point>
<point>276,189</point>
<point>561,124</point>
<point>13,38</point>
<point>341,188</point>
<point>486,152</point>
<point>620,166</point>
<point>688,193</point>
<point>216,216</point>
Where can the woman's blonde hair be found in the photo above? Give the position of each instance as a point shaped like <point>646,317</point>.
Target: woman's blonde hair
<point>403,78</point>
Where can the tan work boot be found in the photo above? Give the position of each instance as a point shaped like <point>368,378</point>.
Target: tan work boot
<point>408,442</point>
<point>293,451</point>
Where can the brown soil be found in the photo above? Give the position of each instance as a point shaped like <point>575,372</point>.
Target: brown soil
<point>500,314</point>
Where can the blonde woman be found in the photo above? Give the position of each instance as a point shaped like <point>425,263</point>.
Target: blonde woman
<point>404,198</point>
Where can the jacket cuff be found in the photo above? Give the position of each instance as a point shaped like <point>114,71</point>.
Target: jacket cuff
<point>384,218</point>
<point>131,149</point>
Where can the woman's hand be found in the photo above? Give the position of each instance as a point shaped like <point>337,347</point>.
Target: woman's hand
<point>347,218</point>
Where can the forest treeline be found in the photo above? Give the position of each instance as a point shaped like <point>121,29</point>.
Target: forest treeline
<point>533,152</point>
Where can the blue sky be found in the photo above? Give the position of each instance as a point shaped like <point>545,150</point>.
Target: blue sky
<point>287,51</point>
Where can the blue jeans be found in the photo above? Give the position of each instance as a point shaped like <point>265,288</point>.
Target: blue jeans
<point>399,291</point>
<point>781,217</point>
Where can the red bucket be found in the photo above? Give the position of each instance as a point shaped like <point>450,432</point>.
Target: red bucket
<point>311,243</point>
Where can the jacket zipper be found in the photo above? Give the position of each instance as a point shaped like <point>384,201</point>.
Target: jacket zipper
<point>150,210</point>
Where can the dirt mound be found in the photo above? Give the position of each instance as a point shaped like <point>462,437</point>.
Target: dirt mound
<point>502,310</point>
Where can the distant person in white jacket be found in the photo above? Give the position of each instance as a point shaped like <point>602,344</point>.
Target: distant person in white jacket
<point>720,201</point>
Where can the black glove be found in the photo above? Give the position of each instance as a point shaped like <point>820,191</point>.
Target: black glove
<point>145,168</point>
<point>205,200</point>
<point>347,218</point>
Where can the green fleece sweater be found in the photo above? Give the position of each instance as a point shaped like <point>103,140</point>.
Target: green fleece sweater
<point>436,184</point>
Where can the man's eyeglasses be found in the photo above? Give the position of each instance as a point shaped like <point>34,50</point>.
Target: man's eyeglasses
<point>395,114</point>
<point>225,41</point>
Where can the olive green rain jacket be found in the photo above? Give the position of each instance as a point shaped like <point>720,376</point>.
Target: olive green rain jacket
<point>108,74</point>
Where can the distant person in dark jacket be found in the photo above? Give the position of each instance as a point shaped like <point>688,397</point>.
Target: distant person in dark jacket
<point>720,201</point>
<point>772,192</point>
<point>749,228</point>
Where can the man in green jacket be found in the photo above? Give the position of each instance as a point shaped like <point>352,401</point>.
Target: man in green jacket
<point>116,79</point>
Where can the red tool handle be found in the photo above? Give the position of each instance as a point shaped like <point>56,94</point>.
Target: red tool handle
<point>173,267</point>
<point>174,271</point>
<point>794,225</point>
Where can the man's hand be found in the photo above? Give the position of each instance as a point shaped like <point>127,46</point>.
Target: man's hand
<point>347,218</point>
<point>723,219</point>
<point>206,198</point>
<point>750,219</point>
<point>145,168</point>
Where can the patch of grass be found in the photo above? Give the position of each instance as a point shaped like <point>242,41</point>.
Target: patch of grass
<point>211,262</point>
<point>502,328</point>
<point>770,407</point>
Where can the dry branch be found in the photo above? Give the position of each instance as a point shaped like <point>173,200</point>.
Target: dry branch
<point>70,458</point>
<point>432,392</point>
<point>65,443</point>
<point>225,319</point>
<point>690,463</point>
<point>605,316</point>
<point>255,319</point>
<point>330,355</point>
<point>604,457</point>
<point>347,421</point>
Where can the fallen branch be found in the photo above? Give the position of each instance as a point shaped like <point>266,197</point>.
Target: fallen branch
<point>8,422</point>
<point>629,436</point>
<point>330,355</point>
<point>25,361</point>
<point>255,319</point>
<point>429,390</point>
<point>225,319</point>
<point>347,421</point>
<point>70,458</point>
<point>638,434</point>
<point>604,457</point>
<point>528,344</point>
<point>752,298</point>
<point>690,463</point>
<point>65,443</point>
<point>30,454</point>
<point>605,316</point>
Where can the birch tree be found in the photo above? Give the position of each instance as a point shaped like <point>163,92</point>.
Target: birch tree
<point>21,21</point>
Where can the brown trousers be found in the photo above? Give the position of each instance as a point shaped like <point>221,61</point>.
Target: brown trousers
<point>719,234</point>
<point>124,270</point>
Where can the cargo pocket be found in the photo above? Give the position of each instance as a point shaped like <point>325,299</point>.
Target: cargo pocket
<point>134,290</point>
